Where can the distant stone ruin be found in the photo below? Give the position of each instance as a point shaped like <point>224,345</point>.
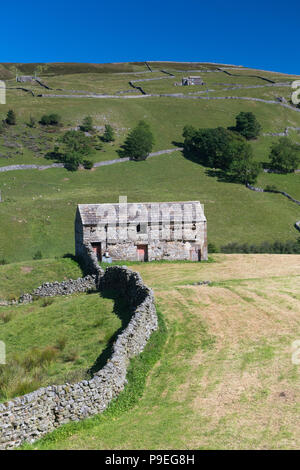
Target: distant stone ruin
<point>26,78</point>
<point>192,80</point>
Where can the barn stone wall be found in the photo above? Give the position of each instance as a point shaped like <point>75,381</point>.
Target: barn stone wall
<point>31,416</point>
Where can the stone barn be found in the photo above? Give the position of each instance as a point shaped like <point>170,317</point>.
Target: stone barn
<point>193,80</point>
<point>142,231</point>
<point>25,78</point>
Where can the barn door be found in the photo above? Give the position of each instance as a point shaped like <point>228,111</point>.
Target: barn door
<point>142,251</point>
<point>97,250</point>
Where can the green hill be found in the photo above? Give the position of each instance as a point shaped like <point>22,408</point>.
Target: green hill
<point>38,207</point>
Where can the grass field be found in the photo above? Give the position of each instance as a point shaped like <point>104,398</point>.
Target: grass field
<point>19,278</point>
<point>225,379</point>
<point>38,208</point>
<point>53,341</point>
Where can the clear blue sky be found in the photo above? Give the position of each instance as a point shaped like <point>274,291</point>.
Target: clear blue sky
<point>262,34</point>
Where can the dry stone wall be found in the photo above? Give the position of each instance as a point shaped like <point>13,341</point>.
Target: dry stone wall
<point>31,416</point>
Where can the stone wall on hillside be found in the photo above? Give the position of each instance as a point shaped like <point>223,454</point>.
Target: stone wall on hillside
<point>31,416</point>
<point>72,286</point>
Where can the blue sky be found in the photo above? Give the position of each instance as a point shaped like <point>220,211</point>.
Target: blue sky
<point>262,34</point>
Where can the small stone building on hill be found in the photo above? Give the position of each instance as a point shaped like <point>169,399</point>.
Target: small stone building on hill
<point>142,231</point>
<point>25,78</point>
<point>192,80</point>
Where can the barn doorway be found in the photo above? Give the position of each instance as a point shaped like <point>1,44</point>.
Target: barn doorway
<point>97,250</point>
<point>142,252</point>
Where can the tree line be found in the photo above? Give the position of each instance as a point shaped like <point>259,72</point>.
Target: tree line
<point>229,149</point>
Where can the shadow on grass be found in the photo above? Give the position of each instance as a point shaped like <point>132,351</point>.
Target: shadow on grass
<point>79,261</point>
<point>221,176</point>
<point>177,144</point>
<point>124,312</point>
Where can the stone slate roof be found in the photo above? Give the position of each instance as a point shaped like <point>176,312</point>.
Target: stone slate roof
<point>154,212</point>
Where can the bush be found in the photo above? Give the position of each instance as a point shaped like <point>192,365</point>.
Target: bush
<point>87,164</point>
<point>11,119</point>
<point>109,135</point>
<point>76,142</point>
<point>224,149</point>
<point>138,143</point>
<point>277,247</point>
<point>284,155</point>
<point>87,124</point>
<point>50,120</point>
<point>38,255</point>
<point>3,261</point>
<point>244,170</point>
<point>211,247</point>
<point>72,161</point>
<point>247,125</point>
<point>271,188</point>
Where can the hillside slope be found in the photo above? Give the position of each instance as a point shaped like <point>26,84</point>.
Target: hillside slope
<point>37,212</point>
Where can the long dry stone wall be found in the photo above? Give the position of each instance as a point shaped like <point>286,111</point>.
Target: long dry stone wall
<point>31,416</point>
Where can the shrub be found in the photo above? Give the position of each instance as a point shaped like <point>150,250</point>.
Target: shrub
<point>3,261</point>
<point>74,141</point>
<point>87,164</point>
<point>277,247</point>
<point>224,149</point>
<point>50,120</point>
<point>72,161</point>
<point>211,247</point>
<point>109,135</point>
<point>138,143</point>
<point>271,188</point>
<point>38,255</point>
<point>284,155</point>
<point>243,170</point>
<point>11,119</point>
<point>87,124</point>
<point>45,120</point>
<point>247,125</point>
